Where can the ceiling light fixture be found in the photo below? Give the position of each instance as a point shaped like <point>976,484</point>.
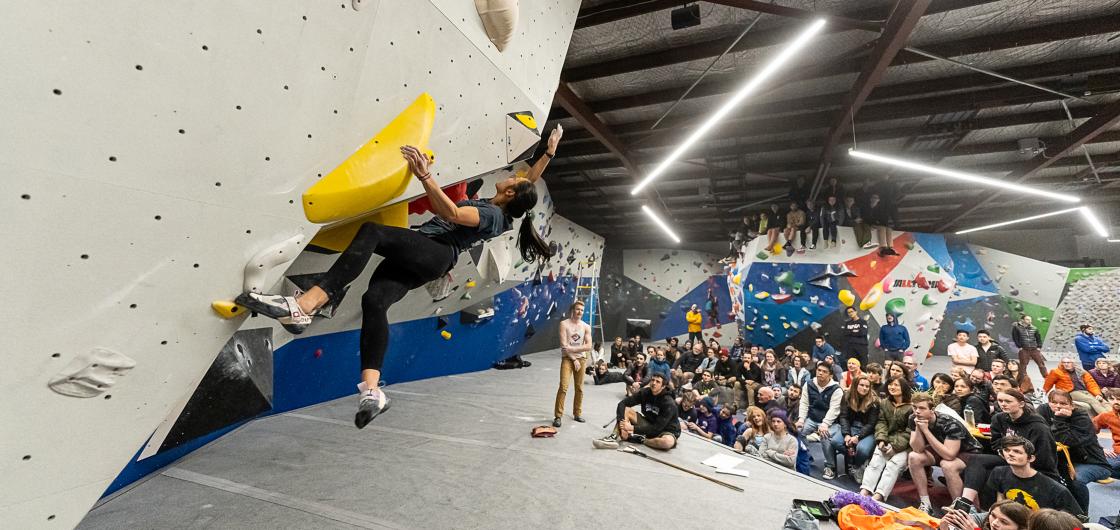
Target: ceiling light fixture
<point>1094,222</point>
<point>1015,221</point>
<point>959,175</point>
<point>794,46</point>
<point>657,220</point>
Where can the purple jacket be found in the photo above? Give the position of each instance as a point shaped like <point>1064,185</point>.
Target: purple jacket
<point>1106,381</point>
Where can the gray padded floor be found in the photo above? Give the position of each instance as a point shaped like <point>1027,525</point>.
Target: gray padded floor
<point>453,452</point>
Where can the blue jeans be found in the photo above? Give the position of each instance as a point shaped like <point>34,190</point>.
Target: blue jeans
<point>835,443</point>
<point>811,427</point>
<point>1087,473</point>
<point>1114,462</point>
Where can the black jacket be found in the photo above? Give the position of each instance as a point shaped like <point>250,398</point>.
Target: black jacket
<point>867,419</point>
<point>1078,433</point>
<point>660,410</point>
<point>980,410</point>
<point>985,358</point>
<point>751,373</point>
<point>1032,427</point>
<point>688,361</point>
<point>855,333</point>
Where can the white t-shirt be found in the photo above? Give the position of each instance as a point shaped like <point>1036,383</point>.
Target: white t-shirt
<point>575,336</point>
<point>963,355</point>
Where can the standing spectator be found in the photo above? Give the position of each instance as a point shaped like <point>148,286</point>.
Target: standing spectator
<point>655,426</point>
<point>889,194</point>
<point>684,370</point>
<point>618,353</point>
<point>937,440</point>
<point>1027,338</point>
<point>894,338</point>
<point>962,353</point>
<point>859,412</point>
<point>1105,375</point>
<point>820,405</point>
<point>833,189</point>
<point>1111,420</point>
<point>1089,347</point>
<point>798,191</point>
<point>1080,385</point>
<point>575,342</point>
<point>855,337</point>
<point>987,351</point>
<point>879,218</point>
<point>812,224</point>
<point>892,442</point>
<point>795,224</point>
<point>756,427</point>
<point>1074,428</point>
<point>780,445</point>
<point>695,322</point>
<point>831,215</point>
<point>920,382</point>
<point>854,218</point>
<point>1020,481</point>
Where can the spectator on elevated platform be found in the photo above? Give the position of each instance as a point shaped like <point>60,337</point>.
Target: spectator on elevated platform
<point>878,216</point>
<point>812,225</point>
<point>831,215</point>
<point>853,217</point>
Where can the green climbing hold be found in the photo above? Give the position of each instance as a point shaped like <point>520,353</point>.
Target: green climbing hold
<point>798,287</point>
<point>466,296</point>
<point>895,306</point>
<point>762,255</point>
<point>934,269</point>
<point>928,300</point>
<point>909,245</point>
<point>786,278</point>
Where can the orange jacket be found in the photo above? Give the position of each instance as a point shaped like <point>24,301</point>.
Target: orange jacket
<point>1060,378</point>
<point>694,319</point>
<point>1111,421</point>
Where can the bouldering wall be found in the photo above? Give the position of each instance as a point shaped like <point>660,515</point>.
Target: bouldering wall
<point>1090,296</point>
<point>153,149</point>
<point>661,285</point>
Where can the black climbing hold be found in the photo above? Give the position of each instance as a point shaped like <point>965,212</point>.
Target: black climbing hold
<point>441,322</point>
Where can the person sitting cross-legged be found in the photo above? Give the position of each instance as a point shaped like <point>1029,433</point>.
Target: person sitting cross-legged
<point>937,439</point>
<point>655,425</point>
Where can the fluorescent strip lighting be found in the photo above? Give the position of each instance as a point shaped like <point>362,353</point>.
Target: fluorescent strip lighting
<point>1093,221</point>
<point>657,220</point>
<point>996,183</point>
<point>730,105</point>
<point>1114,240</point>
<point>1023,220</point>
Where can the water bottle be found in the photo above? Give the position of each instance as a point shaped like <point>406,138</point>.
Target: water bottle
<point>969,417</point>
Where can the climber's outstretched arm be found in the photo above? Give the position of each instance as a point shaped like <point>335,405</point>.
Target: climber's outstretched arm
<point>537,170</point>
<point>442,205</point>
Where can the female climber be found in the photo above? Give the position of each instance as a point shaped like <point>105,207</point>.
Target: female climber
<point>411,259</point>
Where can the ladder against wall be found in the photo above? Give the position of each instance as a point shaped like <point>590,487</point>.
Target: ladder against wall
<point>587,291</point>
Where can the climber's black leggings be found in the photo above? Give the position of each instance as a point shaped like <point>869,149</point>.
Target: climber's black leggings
<point>411,260</point>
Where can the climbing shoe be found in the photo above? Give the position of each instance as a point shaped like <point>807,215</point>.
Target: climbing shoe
<point>282,308</point>
<point>371,405</point>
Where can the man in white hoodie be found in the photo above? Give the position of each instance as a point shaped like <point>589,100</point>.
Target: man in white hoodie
<point>820,405</point>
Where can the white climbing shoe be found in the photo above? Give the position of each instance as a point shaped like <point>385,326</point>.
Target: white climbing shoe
<point>282,308</point>
<point>371,405</point>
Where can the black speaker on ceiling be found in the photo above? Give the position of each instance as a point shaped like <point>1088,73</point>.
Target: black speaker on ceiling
<point>685,17</point>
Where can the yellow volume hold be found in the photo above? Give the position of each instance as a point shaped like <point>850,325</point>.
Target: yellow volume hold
<point>376,172</point>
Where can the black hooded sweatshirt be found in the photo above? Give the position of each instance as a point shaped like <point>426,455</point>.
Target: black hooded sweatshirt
<point>1032,427</point>
<point>1078,433</point>
<point>660,410</point>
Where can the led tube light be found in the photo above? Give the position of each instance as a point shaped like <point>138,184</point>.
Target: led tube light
<point>959,175</point>
<point>1015,221</point>
<point>657,220</point>
<point>1094,222</point>
<point>794,46</point>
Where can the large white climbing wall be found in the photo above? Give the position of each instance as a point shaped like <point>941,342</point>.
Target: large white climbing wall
<point>150,149</point>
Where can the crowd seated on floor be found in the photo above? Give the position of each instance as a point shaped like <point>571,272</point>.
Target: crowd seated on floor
<point>992,435</point>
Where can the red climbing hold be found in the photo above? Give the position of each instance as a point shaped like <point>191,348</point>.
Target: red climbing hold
<point>781,298</point>
<point>921,281</point>
<point>318,353</point>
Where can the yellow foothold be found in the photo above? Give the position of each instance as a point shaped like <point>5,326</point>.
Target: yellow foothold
<point>227,309</point>
<point>846,297</point>
<point>445,334</point>
<point>871,299</point>
<point>471,284</point>
<point>736,279</point>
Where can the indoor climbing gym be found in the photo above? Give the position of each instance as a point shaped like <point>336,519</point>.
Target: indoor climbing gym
<point>511,264</point>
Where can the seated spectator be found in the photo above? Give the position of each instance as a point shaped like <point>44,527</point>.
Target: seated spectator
<point>849,377</point>
<point>686,407</point>
<point>1019,481</point>
<point>725,425</point>
<point>859,413</point>
<point>637,374</point>
<point>1074,428</point>
<point>834,368</point>
<point>937,440</point>
<point>725,367</point>
<point>899,371</point>
<point>968,400</point>
<point>1019,377</point>
<point>775,228</point>
<point>980,385</point>
<point>999,367</point>
<point>1105,374</point>
<point>597,354</point>
<point>941,390</point>
<point>1111,420</point>
<point>772,372</point>
<point>874,373</point>
<point>1015,417</point>
<point>684,370</point>
<point>1049,519</point>
<point>1080,385</point>
<point>618,353</point>
<point>798,373</point>
<point>788,353</point>
<point>920,383</point>
<point>892,441</point>
<point>706,423</point>
<point>659,364</point>
<point>780,444</point>
<point>737,349</point>
<point>823,350</point>
<point>820,405</point>
<point>795,224</point>
<point>792,404</point>
<point>1003,515</point>
<point>987,351</point>
<point>755,428</point>
<point>706,385</point>
<point>708,363</point>
<point>604,376</point>
<point>812,224</point>
<point>654,425</point>
<point>768,400</point>
<point>747,379</point>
